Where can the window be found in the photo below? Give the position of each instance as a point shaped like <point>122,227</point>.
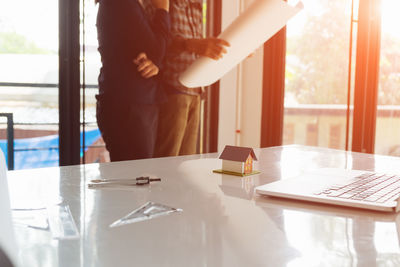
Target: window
<point>336,59</point>
<point>29,80</point>
<point>92,145</point>
<point>316,78</point>
<point>387,139</point>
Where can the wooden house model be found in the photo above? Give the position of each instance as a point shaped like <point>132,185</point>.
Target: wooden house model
<point>237,159</point>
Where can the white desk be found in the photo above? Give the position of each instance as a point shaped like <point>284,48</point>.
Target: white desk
<point>222,223</point>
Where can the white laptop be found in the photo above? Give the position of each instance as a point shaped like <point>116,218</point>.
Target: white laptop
<point>8,245</point>
<point>351,188</point>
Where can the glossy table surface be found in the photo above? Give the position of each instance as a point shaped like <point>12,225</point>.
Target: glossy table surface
<point>223,222</point>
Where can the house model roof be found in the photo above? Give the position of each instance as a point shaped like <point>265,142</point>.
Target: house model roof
<point>237,153</point>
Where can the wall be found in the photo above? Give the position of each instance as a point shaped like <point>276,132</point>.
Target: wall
<point>240,92</point>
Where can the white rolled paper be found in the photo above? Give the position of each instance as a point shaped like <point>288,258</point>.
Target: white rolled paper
<point>259,22</point>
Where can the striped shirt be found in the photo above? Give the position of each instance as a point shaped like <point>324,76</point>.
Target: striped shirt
<point>186,23</point>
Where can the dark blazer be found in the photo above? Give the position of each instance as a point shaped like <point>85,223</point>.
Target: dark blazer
<point>124,31</point>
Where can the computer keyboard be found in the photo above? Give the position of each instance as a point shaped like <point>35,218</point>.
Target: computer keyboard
<point>370,187</point>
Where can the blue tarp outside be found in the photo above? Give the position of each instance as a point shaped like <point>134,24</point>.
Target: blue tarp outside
<point>41,152</point>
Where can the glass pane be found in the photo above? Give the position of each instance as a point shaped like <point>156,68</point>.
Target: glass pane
<point>317,61</point>
<point>387,139</point>
<point>29,80</point>
<point>92,145</point>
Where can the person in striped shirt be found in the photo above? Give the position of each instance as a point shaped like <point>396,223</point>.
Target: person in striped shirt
<point>179,116</point>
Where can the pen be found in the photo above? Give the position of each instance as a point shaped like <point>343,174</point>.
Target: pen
<point>138,180</point>
<point>122,182</point>
<point>99,185</point>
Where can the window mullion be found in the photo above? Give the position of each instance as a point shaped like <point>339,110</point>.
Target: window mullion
<point>366,76</point>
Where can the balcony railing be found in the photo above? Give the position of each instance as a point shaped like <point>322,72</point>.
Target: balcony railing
<point>14,123</point>
<point>306,112</point>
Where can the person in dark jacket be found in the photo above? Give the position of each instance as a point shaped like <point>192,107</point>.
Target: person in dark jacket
<point>132,48</point>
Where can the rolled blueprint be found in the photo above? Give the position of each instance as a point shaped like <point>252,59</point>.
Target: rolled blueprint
<point>259,22</point>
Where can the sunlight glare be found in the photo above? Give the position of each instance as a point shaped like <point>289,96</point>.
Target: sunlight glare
<point>390,17</point>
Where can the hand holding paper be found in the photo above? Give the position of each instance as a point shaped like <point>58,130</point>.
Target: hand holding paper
<point>259,22</point>
<point>208,47</point>
<point>163,4</point>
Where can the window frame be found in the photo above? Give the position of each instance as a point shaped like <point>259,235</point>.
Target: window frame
<point>69,82</point>
<point>365,88</point>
